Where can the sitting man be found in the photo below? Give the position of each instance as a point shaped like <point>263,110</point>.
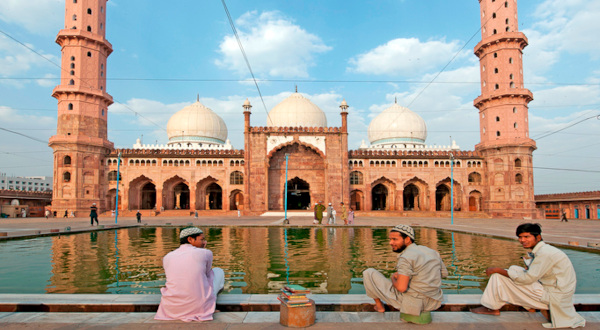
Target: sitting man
<point>416,286</point>
<point>190,293</point>
<point>547,284</point>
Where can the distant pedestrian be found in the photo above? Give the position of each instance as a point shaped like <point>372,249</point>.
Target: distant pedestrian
<point>93,214</point>
<point>138,216</point>
<point>112,213</point>
<point>196,215</point>
<point>564,216</point>
<point>330,215</point>
<point>351,216</point>
<point>66,214</point>
<point>344,213</point>
<point>47,213</point>
<point>72,214</point>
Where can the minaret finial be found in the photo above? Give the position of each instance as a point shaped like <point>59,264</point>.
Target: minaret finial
<point>396,99</point>
<point>296,88</point>
<point>198,97</point>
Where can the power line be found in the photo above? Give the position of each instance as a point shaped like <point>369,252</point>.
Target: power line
<point>82,80</point>
<point>239,42</point>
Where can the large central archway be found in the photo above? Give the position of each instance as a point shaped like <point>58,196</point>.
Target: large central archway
<point>379,195</point>
<point>303,162</point>
<point>298,194</point>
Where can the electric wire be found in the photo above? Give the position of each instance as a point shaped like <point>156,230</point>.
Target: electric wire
<point>239,42</point>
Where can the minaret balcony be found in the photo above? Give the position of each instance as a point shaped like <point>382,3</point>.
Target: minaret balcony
<point>523,93</point>
<point>501,38</point>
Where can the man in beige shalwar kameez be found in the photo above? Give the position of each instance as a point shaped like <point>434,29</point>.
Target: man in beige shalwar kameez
<point>416,286</point>
<point>547,284</point>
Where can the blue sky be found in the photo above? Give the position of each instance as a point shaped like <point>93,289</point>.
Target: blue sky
<point>367,52</point>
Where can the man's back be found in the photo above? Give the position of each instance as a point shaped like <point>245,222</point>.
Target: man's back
<point>425,269</point>
<point>188,294</point>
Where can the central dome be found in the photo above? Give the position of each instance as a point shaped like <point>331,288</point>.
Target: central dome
<point>397,125</point>
<point>196,123</point>
<point>296,111</point>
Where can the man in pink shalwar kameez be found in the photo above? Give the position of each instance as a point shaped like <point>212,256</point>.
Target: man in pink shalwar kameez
<point>190,293</point>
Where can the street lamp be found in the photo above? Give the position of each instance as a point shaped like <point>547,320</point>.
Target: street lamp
<point>286,221</point>
<point>118,178</point>
<point>451,188</point>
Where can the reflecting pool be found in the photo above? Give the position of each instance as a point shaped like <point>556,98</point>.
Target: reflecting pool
<point>255,260</point>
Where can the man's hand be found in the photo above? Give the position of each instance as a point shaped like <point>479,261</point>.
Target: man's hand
<point>496,270</point>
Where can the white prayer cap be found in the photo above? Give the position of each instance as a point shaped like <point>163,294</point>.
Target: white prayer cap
<point>189,231</point>
<point>406,230</point>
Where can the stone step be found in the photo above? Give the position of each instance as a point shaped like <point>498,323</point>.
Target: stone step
<point>270,320</point>
<point>231,302</point>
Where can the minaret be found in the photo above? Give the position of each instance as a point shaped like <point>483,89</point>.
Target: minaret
<point>81,141</point>
<point>503,112</point>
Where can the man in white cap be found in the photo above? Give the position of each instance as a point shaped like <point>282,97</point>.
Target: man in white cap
<point>190,293</point>
<point>330,215</point>
<point>415,287</point>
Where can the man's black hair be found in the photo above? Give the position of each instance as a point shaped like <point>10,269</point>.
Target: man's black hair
<point>534,229</point>
<point>184,240</point>
<point>405,236</point>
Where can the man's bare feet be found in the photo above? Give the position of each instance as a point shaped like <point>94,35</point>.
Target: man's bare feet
<point>379,307</point>
<point>486,311</point>
<point>546,314</point>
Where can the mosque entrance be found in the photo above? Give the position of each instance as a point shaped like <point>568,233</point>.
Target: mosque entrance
<point>214,193</point>
<point>379,196</point>
<point>298,194</point>
<point>411,198</point>
<point>148,196</point>
<point>442,198</point>
<point>181,193</point>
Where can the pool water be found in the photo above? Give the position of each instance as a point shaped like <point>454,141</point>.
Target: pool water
<point>255,260</point>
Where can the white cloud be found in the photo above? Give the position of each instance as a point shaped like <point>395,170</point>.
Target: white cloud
<point>16,61</point>
<point>404,57</point>
<point>36,16</point>
<point>274,45</point>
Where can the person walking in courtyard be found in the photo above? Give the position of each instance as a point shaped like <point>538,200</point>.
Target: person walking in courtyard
<point>190,293</point>
<point>93,214</point>
<point>330,215</point>
<point>66,214</point>
<point>563,216</point>
<point>415,287</point>
<point>344,215</point>
<point>47,213</point>
<point>319,208</point>
<point>547,283</point>
<point>351,216</point>
<point>138,216</point>
<point>196,215</point>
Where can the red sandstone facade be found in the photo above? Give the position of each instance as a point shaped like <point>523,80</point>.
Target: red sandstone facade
<point>496,178</point>
<point>578,205</point>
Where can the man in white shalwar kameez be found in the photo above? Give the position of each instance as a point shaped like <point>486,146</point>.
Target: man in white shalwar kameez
<point>548,283</point>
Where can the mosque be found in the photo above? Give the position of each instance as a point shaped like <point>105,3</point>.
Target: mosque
<point>200,170</point>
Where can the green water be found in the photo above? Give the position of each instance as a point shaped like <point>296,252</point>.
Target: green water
<point>255,260</point>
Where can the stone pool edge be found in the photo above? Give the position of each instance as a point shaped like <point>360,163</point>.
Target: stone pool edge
<point>139,303</point>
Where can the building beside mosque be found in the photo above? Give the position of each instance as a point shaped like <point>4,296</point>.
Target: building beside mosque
<point>199,169</point>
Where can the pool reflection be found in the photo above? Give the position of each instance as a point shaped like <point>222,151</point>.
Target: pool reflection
<point>326,260</point>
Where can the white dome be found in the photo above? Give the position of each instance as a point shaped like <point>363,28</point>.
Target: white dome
<point>196,123</point>
<point>296,111</point>
<point>397,125</point>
